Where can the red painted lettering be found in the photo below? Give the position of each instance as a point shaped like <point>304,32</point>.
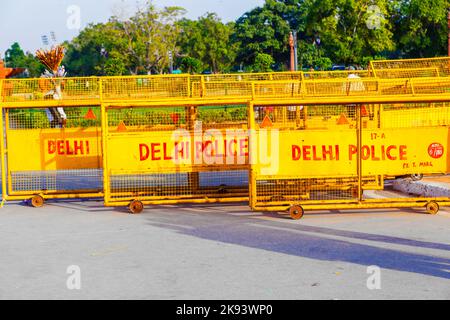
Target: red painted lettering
<point>78,147</point>
<point>155,151</point>
<point>51,147</point>
<point>60,147</point>
<point>306,153</point>
<point>403,153</point>
<point>144,152</point>
<point>296,153</point>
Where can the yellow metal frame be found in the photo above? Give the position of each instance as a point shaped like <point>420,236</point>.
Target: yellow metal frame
<point>318,205</point>
<point>7,193</point>
<point>265,89</point>
<point>111,201</point>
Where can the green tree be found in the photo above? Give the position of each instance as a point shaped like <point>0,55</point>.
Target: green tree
<point>349,30</point>
<point>90,53</point>
<point>266,30</point>
<point>263,63</point>
<point>16,57</point>
<point>150,36</point>
<point>190,65</point>
<point>138,45</point>
<point>421,28</point>
<point>208,40</point>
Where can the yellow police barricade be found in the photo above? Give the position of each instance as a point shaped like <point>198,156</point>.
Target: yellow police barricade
<point>59,116</point>
<point>331,145</point>
<point>50,139</point>
<point>53,146</point>
<point>181,154</point>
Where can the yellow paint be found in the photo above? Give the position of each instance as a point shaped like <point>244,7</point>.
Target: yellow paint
<point>157,152</point>
<point>321,153</point>
<point>54,149</point>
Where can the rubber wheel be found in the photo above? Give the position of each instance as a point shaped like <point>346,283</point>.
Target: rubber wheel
<point>416,177</point>
<point>136,207</point>
<point>296,212</point>
<point>37,201</point>
<point>432,208</point>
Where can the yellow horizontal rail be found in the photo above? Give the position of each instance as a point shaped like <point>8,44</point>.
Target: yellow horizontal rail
<point>223,88</point>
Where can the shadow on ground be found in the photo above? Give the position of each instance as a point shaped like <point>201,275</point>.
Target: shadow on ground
<point>299,240</point>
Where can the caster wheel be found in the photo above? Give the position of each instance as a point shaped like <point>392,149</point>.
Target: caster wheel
<point>432,208</point>
<point>416,177</point>
<point>136,207</point>
<point>37,201</point>
<point>296,212</point>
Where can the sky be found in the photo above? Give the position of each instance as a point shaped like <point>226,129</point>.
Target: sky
<point>26,21</point>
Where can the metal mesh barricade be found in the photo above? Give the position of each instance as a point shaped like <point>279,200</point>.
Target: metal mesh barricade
<point>289,166</point>
<point>354,88</point>
<point>53,153</point>
<point>46,91</point>
<point>344,156</point>
<point>163,155</point>
<point>411,68</point>
<point>146,87</point>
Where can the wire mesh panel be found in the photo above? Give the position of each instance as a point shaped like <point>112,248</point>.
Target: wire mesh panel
<point>49,90</point>
<point>316,75</point>
<point>403,141</point>
<point>408,73</point>
<point>304,154</point>
<point>353,87</point>
<point>146,87</point>
<point>417,67</point>
<point>345,156</point>
<point>409,141</point>
<point>53,151</point>
<point>176,154</point>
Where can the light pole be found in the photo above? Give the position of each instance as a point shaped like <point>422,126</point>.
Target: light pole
<point>294,50</point>
<point>291,44</point>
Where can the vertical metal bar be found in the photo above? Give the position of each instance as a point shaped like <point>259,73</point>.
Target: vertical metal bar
<point>2,150</point>
<point>9,178</point>
<point>372,69</point>
<point>100,89</point>
<point>253,158</point>
<point>193,177</point>
<point>189,95</point>
<point>359,143</point>
<point>106,181</point>
<point>413,91</point>
<point>203,85</point>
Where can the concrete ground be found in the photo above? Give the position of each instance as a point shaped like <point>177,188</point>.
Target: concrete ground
<point>220,252</point>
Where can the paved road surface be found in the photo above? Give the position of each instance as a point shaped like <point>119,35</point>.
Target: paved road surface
<point>220,252</point>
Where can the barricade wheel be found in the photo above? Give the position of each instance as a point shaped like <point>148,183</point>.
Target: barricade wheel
<point>136,207</point>
<point>296,212</point>
<point>432,208</point>
<point>416,177</point>
<point>37,201</point>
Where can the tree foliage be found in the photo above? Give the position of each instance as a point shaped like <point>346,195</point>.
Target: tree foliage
<point>16,57</point>
<point>421,28</point>
<point>266,30</point>
<point>208,40</point>
<point>345,32</point>
<point>349,30</point>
